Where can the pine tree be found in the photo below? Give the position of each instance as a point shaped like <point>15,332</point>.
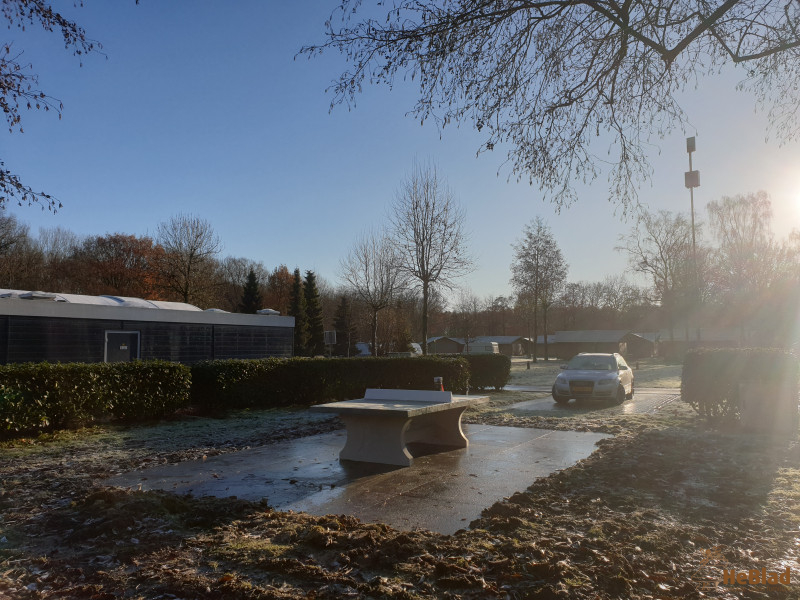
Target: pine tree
<point>297,309</point>
<point>251,295</point>
<point>345,329</point>
<point>402,339</point>
<point>316,328</point>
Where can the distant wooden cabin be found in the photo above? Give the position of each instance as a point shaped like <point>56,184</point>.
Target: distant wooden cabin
<point>570,343</point>
<point>510,345</point>
<point>642,344</point>
<point>676,343</point>
<point>445,345</point>
<point>631,345</point>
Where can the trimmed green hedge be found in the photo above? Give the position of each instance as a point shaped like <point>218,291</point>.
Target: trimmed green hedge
<point>711,376</point>
<point>43,396</point>
<point>305,381</point>
<point>488,371</point>
<point>46,396</point>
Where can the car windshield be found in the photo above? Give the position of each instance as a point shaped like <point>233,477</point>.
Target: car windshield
<point>592,363</point>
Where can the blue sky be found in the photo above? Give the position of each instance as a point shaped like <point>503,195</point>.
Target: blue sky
<point>202,108</point>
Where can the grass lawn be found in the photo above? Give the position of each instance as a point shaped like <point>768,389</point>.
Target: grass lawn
<point>649,372</point>
<point>657,511</point>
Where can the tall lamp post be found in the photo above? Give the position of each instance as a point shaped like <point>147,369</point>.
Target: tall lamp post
<point>692,180</point>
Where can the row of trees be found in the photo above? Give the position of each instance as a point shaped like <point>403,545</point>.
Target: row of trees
<point>392,273</point>
<point>305,305</point>
<point>421,251</point>
<point>613,303</point>
<point>740,277</point>
<point>182,263</point>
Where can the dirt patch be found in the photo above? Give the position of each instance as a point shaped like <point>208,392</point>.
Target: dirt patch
<point>658,511</point>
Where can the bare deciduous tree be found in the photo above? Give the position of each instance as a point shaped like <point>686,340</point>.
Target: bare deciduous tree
<point>465,320</point>
<point>749,266</point>
<point>547,77</point>
<point>12,232</point>
<point>746,251</point>
<point>190,250</point>
<point>370,271</point>
<point>57,245</point>
<point>539,271</point>
<point>499,310</point>
<point>661,248</point>
<point>428,228</point>
<point>17,254</point>
<point>233,274</point>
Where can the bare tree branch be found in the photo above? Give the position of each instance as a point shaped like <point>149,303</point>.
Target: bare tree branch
<point>370,271</point>
<point>545,79</point>
<point>429,233</point>
<point>19,85</point>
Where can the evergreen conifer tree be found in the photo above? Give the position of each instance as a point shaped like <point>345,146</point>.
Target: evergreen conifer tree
<point>402,339</point>
<point>345,329</point>
<point>297,309</point>
<point>251,295</point>
<point>316,328</point>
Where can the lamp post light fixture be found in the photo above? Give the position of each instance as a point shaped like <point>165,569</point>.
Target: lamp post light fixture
<point>691,181</point>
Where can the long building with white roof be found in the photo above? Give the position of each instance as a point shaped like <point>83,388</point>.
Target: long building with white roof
<point>42,326</point>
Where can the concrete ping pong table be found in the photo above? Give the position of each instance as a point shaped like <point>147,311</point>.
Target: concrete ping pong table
<point>382,423</point>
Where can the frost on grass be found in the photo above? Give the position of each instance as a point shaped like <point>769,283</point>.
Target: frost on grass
<point>636,519</point>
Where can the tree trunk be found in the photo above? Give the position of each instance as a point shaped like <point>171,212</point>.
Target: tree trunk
<point>544,318</point>
<point>425,291</point>
<point>535,331</point>
<point>374,333</point>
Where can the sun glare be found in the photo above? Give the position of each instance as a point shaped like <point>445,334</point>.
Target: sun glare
<point>792,198</point>
<point>796,197</point>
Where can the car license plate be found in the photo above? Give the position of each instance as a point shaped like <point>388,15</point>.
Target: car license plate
<point>582,388</point>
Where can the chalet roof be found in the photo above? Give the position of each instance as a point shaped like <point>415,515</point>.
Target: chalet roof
<point>702,334</point>
<point>481,339</point>
<point>438,338</point>
<point>500,339</point>
<point>120,301</point>
<point>590,335</point>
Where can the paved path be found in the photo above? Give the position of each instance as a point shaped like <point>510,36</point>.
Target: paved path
<point>442,492</point>
<point>648,400</point>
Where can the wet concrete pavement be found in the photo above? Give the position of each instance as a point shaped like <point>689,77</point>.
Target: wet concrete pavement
<point>442,492</point>
<point>647,400</point>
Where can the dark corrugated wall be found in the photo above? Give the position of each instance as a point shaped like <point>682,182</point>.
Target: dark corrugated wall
<point>50,339</point>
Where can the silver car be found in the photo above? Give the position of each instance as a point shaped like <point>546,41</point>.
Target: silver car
<point>595,375</point>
